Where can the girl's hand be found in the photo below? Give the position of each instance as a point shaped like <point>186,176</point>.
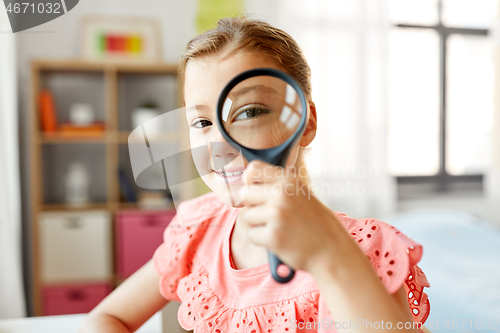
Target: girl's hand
<point>286,218</point>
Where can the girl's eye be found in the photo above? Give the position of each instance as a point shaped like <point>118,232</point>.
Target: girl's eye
<point>250,112</point>
<point>201,123</point>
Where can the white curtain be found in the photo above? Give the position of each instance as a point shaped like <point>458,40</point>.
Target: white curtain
<point>492,177</point>
<point>12,303</point>
<point>346,44</point>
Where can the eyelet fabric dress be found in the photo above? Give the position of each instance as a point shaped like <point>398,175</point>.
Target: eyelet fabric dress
<point>196,269</point>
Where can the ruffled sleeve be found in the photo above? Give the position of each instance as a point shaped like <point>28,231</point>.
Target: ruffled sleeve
<point>394,257</point>
<point>173,259</point>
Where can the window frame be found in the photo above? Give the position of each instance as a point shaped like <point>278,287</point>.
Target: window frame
<point>442,181</point>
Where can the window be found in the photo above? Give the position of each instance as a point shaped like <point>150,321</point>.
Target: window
<point>441,92</point>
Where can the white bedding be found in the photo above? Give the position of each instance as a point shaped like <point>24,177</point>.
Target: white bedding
<point>462,263</point>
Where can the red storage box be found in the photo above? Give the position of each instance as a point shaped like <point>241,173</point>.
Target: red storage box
<point>138,235</point>
<point>75,298</point>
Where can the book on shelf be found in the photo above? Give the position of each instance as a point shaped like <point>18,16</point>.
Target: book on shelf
<point>67,130</point>
<point>126,187</point>
<point>48,117</point>
<point>95,129</point>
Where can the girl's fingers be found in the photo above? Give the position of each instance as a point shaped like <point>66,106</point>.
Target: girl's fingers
<point>258,216</point>
<point>262,225</point>
<point>258,194</point>
<point>257,219</point>
<point>261,172</point>
<point>267,234</point>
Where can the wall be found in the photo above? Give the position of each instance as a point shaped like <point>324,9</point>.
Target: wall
<point>61,39</point>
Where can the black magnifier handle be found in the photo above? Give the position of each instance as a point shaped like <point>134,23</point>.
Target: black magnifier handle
<point>274,263</point>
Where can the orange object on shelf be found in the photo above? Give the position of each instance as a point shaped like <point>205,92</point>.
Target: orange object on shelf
<point>93,130</point>
<point>48,118</point>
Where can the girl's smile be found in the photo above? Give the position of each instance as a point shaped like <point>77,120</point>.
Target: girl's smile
<point>229,175</point>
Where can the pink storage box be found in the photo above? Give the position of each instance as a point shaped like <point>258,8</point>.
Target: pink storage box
<point>74,298</point>
<point>138,235</point>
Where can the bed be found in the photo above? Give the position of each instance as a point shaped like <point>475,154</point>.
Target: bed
<point>462,263</point>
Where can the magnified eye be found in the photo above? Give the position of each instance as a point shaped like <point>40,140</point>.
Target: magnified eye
<point>250,112</point>
<point>201,123</point>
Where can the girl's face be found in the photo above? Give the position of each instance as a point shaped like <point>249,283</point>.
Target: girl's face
<point>205,77</point>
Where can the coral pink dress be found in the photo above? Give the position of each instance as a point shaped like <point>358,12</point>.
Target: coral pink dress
<point>196,269</point>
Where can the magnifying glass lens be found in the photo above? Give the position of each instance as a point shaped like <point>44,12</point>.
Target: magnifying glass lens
<point>261,112</point>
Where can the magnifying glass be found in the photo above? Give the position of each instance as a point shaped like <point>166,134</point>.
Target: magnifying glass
<point>262,113</point>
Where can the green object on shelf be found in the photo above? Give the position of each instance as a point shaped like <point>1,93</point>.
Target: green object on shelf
<point>210,11</point>
<point>101,43</point>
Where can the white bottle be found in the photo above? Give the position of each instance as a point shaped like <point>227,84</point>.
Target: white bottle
<point>81,114</point>
<point>76,185</point>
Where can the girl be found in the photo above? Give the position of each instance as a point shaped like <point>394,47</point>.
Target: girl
<point>352,275</point>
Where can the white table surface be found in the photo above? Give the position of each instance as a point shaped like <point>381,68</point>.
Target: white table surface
<point>63,324</point>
